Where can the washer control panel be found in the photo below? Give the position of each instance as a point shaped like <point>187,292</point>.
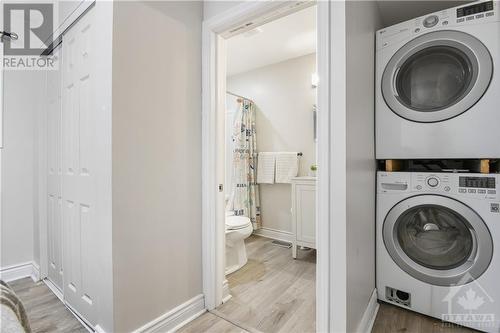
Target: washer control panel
<point>486,186</point>
<point>476,185</point>
<point>431,182</point>
<point>481,185</point>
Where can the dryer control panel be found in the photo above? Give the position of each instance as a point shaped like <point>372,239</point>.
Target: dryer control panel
<point>477,13</point>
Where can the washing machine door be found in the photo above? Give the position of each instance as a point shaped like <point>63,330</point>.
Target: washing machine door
<point>437,76</point>
<point>438,240</point>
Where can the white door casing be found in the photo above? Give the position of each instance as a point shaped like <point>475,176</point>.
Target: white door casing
<point>330,315</point>
<point>54,174</point>
<point>79,187</point>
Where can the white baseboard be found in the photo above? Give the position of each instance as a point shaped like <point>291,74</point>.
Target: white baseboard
<point>368,319</point>
<point>19,271</point>
<point>176,318</point>
<point>98,329</point>
<point>226,294</point>
<point>284,236</point>
<point>35,272</point>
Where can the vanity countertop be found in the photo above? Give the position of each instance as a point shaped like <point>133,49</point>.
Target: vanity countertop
<point>304,178</point>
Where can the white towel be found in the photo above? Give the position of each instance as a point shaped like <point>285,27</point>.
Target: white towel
<point>287,167</point>
<point>265,168</point>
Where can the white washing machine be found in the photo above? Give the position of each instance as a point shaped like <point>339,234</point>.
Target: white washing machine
<point>437,241</point>
<point>438,85</point>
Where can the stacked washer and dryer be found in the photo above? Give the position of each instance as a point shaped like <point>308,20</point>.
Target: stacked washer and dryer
<point>438,97</point>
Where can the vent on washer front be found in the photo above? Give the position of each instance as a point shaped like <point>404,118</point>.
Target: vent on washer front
<point>398,296</point>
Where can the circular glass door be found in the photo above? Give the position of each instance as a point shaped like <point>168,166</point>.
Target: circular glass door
<point>437,76</point>
<point>438,240</point>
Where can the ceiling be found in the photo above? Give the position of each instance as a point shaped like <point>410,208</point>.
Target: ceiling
<point>285,38</point>
<point>295,35</point>
<point>392,12</point>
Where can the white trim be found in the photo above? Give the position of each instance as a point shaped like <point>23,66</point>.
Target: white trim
<point>324,296</point>
<point>175,318</point>
<point>337,169</point>
<point>280,235</point>
<point>54,289</point>
<point>368,319</point>
<point>328,312</point>
<point>226,293</point>
<point>42,186</point>
<point>82,321</point>
<point>35,272</point>
<point>19,271</point>
<point>99,329</point>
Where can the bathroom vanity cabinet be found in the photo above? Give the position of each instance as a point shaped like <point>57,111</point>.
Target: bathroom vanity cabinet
<point>303,213</point>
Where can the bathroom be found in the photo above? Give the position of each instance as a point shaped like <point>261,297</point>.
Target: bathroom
<point>269,176</point>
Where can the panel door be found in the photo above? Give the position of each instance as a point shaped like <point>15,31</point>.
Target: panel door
<point>306,213</point>
<point>79,116</point>
<point>54,177</point>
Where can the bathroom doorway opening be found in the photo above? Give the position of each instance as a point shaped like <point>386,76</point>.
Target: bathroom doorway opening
<point>269,184</point>
<point>241,75</point>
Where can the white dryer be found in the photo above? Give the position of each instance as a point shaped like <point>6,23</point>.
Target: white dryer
<point>437,241</point>
<point>438,85</point>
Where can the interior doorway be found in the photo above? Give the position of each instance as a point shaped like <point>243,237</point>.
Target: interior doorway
<point>218,89</point>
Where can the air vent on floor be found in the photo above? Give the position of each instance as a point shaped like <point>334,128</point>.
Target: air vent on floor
<point>398,296</point>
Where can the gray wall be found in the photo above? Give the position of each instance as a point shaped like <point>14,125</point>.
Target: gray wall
<point>284,98</point>
<point>22,102</point>
<point>156,159</point>
<point>362,19</point>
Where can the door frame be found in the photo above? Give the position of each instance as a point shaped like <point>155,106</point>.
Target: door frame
<point>330,280</point>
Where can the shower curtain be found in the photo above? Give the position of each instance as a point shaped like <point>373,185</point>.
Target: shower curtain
<point>244,200</point>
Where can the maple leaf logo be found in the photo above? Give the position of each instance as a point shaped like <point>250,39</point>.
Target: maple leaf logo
<point>470,301</point>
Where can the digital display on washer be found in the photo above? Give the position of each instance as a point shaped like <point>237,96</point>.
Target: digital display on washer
<point>477,182</point>
<point>474,9</point>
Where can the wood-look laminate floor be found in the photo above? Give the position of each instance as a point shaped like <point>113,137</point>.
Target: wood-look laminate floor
<point>46,313</point>
<point>391,318</point>
<point>271,293</point>
<point>274,293</point>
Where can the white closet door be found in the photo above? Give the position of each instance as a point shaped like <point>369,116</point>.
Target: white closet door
<point>79,116</point>
<point>54,169</point>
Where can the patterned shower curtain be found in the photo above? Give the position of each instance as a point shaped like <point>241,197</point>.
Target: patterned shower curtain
<point>244,200</point>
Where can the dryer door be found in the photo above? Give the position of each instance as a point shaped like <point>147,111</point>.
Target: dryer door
<point>437,76</point>
<point>438,240</point>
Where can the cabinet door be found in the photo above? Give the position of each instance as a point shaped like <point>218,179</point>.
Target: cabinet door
<point>305,197</point>
<point>79,163</point>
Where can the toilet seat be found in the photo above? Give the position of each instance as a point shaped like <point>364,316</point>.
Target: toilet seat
<point>237,222</point>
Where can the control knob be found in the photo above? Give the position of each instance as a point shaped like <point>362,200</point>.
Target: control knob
<point>431,21</point>
<point>432,181</point>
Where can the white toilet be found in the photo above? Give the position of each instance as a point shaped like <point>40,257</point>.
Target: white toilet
<point>238,228</point>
